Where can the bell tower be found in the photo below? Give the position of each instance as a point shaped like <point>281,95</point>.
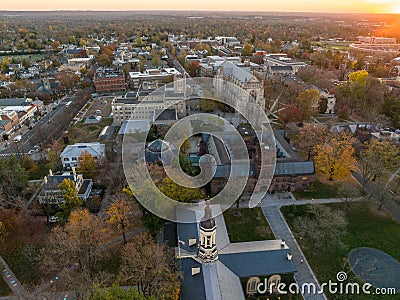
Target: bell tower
<point>207,251</point>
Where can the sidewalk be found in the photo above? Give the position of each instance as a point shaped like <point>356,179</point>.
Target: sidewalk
<point>281,230</point>
<point>12,281</point>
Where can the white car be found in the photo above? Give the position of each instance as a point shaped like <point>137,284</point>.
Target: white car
<point>32,151</point>
<point>53,219</point>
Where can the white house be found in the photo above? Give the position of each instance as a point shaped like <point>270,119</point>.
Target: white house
<point>71,153</point>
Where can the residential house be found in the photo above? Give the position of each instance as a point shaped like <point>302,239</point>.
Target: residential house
<point>71,153</point>
<point>51,193</point>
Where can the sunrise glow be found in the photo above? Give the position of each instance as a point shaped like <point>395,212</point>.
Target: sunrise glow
<point>347,6</point>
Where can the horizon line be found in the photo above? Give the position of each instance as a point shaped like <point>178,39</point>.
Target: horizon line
<point>197,10</point>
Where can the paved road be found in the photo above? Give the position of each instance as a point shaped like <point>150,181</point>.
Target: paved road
<point>25,144</point>
<point>12,281</point>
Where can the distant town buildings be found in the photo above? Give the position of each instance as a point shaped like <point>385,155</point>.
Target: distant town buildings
<point>378,47</point>
<point>278,64</point>
<point>106,80</point>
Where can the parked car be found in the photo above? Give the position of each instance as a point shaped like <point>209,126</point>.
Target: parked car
<point>53,219</point>
<point>18,138</point>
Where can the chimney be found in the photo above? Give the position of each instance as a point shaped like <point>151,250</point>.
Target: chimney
<point>74,173</point>
<point>50,172</point>
<point>289,256</point>
<point>45,179</point>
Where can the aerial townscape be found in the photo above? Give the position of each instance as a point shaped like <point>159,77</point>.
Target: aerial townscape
<point>200,151</point>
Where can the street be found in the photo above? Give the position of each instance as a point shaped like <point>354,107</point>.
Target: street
<point>25,144</point>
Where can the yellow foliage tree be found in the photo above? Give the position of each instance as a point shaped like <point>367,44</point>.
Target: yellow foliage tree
<point>308,102</point>
<point>118,213</point>
<point>334,158</point>
<point>86,164</point>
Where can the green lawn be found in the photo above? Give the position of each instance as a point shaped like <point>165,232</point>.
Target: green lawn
<point>251,225</point>
<point>366,228</point>
<point>318,190</point>
<point>81,133</point>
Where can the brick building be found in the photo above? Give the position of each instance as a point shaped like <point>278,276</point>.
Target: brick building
<point>109,81</point>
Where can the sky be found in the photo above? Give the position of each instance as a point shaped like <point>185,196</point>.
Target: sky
<point>348,6</point>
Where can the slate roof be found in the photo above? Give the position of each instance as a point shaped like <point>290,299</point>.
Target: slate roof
<point>281,68</point>
<point>95,149</point>
<point>130,126</point>
<point>237,72</point>
<point>294,168</point>
<point>12,101</point>
<point>4,122</point>
<point>258,263</point>
<point>220,280</point>
<point>160,150</point>
<point>192,287</point>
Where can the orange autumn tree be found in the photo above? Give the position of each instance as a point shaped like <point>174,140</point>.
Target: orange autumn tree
<point>118,215</point>
<point>334,158</point>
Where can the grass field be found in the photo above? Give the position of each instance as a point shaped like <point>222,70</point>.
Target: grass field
<point>251,225</point>
<point>367,227</point>
<point>319,190</point>
<point>80,132</point>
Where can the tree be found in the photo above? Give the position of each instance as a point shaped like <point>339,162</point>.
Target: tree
<point>118,214</point>
<point>103,60</point>
<point>180,193</point>
<point>321,226</point>
<point>71,199</point>
<point>193,68</point>
<point>308,102</point>
<point>151,221</point>
<point>116,292</point>
<point>391,108</point>
<point>156,60</point>
<point>376,158</point>
<point>202,47</point>
<point>86,164</point>
<point>73,251</point>
<point>150,267</point>
<point>357,85</point>
<point>26,63</point>
<point>53,155</point>
<point>13,178</point>
<point>247,50</point>
<point>334,158</point>
<point>126,68</point>
<point>310,136</point>
<point>3,232</point>
<point>5,62</point>
<point>291,113</point>
<point>344,113</point>
<point>207,105</point>
<point>348,190</point>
